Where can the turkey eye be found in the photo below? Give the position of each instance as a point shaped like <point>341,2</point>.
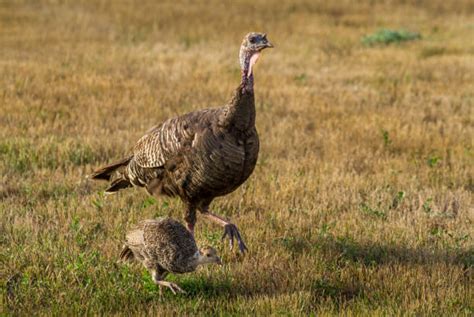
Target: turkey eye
<point>208,255</point>
<point>252,40</point>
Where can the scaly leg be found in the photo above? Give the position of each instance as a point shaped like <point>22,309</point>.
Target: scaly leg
<point>191,218</point>
<point>229,229</point>
<point>172,286</point>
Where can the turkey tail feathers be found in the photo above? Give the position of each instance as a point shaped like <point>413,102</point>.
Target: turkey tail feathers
<point>118,184</point>
<point>106,172</point>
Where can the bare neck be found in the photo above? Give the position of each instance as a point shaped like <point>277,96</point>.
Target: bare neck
<point>240,112</point>
<point>246,71</point>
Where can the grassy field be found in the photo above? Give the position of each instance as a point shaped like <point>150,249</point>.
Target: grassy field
<point>362,199</point>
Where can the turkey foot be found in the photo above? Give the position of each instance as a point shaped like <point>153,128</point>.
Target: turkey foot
<point>172,286</point>
<point>230,230</point>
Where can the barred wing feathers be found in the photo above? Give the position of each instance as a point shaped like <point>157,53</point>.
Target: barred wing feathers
<point>167,140</point>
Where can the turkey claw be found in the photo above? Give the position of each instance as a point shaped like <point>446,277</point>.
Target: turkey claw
<point>231,230</point>
<point>172,286</point>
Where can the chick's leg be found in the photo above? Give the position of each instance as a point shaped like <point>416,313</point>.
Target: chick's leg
<point>158,279</point>
<point>172,286</point>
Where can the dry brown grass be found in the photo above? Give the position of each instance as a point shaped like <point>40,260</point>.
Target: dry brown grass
<point>362,200</point>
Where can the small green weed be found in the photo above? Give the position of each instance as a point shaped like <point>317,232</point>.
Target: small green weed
<point>433,161</point>
<point>212,238</point>
<point>387,36</point>
<point>397,200</point>
<point>427,206</point>
<point>377,213</point>
<point>149,201</point>
<point>386,138</point>
<point>301,79</point>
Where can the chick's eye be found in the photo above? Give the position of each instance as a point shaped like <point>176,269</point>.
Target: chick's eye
<point>208,255</point>
<point>252,40</point>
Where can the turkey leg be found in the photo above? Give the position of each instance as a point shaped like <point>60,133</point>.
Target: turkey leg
<point>190,218</point>
<point>159,281</point>
<point>172,286</point>
<point>229,230</point>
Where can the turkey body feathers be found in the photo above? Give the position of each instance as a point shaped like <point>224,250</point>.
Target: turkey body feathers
<point>197,156</point>
<point>162,243</point>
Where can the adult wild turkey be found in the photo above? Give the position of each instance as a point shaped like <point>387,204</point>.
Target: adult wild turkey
<point>164,246</point>
<point>200,155</point>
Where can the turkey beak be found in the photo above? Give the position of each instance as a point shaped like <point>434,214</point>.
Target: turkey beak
<point>264,45</point>
<point>267,42</point>
<point>218,261</point>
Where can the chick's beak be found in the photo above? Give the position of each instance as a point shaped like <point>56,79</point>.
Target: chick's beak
<point>218,261</point>
<point>269,45</point>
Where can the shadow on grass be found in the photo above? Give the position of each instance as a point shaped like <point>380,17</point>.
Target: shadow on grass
<point>372,253</point>
<point>320,289</point>
<point>340,250</point>
<point>375,253</point>
<point>206,288</point>
<point>337,291</point>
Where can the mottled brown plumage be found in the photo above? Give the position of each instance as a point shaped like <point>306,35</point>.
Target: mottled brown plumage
<point>200,155</point>
<point>165,246</point>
